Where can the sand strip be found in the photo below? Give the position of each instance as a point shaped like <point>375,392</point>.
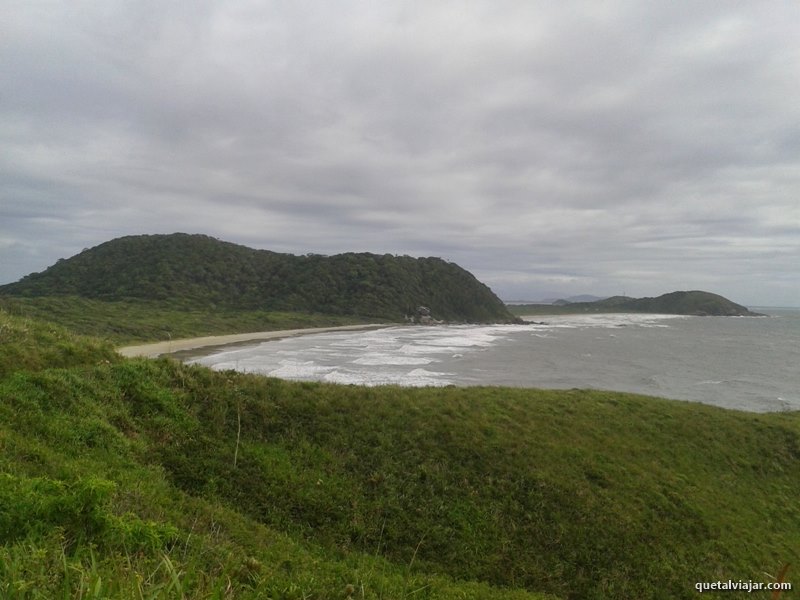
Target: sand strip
<point>202,344</point>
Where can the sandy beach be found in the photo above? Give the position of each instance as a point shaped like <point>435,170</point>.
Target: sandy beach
<point>201,345</point>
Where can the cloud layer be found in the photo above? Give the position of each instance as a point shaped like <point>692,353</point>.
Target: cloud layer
<point>547,147</point>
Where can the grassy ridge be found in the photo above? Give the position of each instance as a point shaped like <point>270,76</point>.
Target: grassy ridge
<point>186,481</point>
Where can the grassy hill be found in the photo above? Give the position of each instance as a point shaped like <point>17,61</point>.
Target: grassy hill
<point>675,303</point>
<point>153,479</point>
<point>199,272</point>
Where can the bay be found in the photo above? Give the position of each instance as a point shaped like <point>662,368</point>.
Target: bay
<point>744,363</point>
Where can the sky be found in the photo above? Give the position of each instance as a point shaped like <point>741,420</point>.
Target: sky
<point>550,148</point>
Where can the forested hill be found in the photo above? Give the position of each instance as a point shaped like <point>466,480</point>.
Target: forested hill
<point>197,270</point>
<point>694,302</point>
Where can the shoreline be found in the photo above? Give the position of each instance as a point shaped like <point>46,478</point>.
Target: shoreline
<point>201,346</point>
<point>196,347</point>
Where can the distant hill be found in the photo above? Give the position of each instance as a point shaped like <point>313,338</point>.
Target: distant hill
<point>679,303</point>
<point>675,303</point>
<point>197,270</point>
<point>572,299</point>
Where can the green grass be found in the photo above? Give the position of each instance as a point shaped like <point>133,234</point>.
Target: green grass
<point>31,344</point>
<point>154,479</point>
<point>130,321</point>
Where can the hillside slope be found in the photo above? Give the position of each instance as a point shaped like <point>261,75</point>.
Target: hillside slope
<point>197,270</point>
<point>141,478</point>
<point>88,511</point>
<point>30,344</point>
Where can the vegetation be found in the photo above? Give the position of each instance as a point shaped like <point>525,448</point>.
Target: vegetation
<point>200,272</point>
<point>28,344</point>
<point>154,479</point>
<point>127,321</point>
<point>674,303</point>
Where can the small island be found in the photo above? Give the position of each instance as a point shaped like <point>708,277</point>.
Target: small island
<point>696,303</point>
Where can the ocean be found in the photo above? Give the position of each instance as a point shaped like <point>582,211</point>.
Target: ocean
<point>742,363</point>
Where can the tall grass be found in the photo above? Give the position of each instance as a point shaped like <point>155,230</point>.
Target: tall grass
<point>27,344</point>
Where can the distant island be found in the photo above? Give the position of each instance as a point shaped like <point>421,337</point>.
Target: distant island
<point>694,302</point>
<point>201,272</point>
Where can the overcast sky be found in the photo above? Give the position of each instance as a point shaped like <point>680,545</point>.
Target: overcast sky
<point>548,147</point>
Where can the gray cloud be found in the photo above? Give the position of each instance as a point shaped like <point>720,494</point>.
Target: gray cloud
<point>577,147</point>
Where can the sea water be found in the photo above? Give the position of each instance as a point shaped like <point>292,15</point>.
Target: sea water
<point>745,363</point>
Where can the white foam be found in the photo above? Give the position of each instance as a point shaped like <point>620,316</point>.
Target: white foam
<point>608,320</point>
<point>425,373</point>
<point>388,359</point>
<point>374,357</point>
<point>300,370</point>
<point>417,349</point>
<point>415,378</point>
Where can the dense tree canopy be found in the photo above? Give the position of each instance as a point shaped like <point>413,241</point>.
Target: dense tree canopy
<point>195,270</point>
